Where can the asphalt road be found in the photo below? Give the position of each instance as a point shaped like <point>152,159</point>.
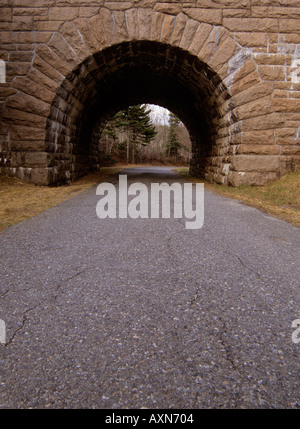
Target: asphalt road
<point>143,313</point>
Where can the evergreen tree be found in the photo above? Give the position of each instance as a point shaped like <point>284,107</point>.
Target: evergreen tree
<point>137,128</point>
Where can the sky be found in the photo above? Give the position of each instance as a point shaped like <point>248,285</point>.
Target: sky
<point>159,115</point>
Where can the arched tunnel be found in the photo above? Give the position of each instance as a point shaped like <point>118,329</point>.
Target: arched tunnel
<point>140,72</point>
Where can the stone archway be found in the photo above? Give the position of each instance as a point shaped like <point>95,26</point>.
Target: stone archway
<point>141,72</point>
<point>81,71</point>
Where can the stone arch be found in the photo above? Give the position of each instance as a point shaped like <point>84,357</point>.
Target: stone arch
<point>189,56</point>
<point>136,72</point>
<point>224,87</point>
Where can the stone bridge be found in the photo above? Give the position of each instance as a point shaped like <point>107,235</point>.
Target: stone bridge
<point>230,69</point>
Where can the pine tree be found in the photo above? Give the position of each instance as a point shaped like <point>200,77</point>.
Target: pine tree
<point>137,128</point>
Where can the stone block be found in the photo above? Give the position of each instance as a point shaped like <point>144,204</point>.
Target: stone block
<point>215,38</point>
<point>255,92</point>
<point>210,16</point>
<point>41,176</point>
<point>16,116</point>
<point>63,13</point>
<point>289,26</point>
<point>286,105</point>
<point>88,11</point>
<point>102,26</point>
<point>251,24</point>
<point>261,106</point>
<point>266,122</point>
<point>246,82</point>
<point>291,150</point>
<point>47,25</point>
<point>256,39</point>
<point>201,35</point>
<point>31,159</point>
<point>167,28</point>
<point>257,149</point>
<point>34,89</point>
<point>236,13</point>
<point>22,23</point>
<point>49,64</point>
<point>118,5</point>
<point>29,104</point>
<point>132,19</point>
<point>265,137</point>
<point>268,72</point>
<point>180,23</point>
<point>224,53</point>
<point>270,59</point>
<point>251,178</point>
<point>168,7</point>
<point>189,33</point>
<point>145,23</point>
<point>19,132</point>
<point>21,56</point>
<point>63,50</point>
<point>28,145</point>
<point>244,70</point>
<point>255,163</point>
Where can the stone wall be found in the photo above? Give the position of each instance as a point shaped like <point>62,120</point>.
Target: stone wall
<point>230,69</point>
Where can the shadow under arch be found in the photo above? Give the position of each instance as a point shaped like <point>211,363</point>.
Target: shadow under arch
<point>141,72</point>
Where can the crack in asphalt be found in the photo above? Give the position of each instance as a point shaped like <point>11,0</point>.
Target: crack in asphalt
<point>4,293</point>
<point>23,322</point>
<point>244,265</point>
<point>64,281</point>
<point>227,348</point>
<point>195,298</point>
<point>24,315</point>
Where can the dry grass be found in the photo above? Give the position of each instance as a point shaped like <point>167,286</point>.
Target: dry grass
<point>280,198</point>
<point>20,200</point>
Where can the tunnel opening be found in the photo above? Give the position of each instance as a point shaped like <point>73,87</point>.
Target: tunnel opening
<point>145,134</point>
<point>132,73</point>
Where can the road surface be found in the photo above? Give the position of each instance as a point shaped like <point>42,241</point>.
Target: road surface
<point>143,313</point>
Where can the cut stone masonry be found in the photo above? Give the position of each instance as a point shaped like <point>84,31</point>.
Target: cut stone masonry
<point>230,69</point>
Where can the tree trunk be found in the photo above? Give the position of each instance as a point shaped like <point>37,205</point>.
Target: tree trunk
<point>128,146</point>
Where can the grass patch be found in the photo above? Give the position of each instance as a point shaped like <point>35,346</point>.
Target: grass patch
<point>21,200</point>
<point>280,198</point>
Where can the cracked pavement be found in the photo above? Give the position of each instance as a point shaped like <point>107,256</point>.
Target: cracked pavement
<point>132,313</point>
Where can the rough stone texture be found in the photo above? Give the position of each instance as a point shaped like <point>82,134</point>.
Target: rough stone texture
<point>229,69</point>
